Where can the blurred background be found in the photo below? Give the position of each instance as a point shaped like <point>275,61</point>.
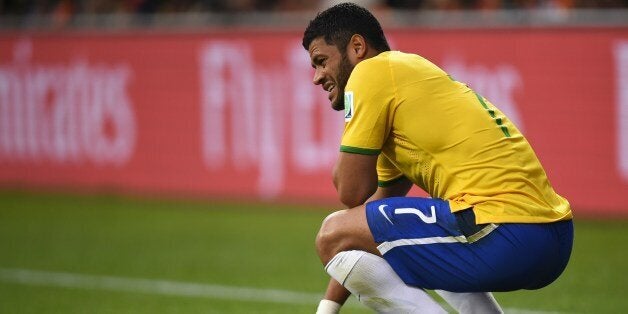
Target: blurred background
<point>174,156</point>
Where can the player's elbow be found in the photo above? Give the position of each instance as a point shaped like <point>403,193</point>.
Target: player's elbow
<point>353,197</point>
<point>350,201</point>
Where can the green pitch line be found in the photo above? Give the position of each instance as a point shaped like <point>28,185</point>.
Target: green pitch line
<point>153,286</point>
<point>173,288</point>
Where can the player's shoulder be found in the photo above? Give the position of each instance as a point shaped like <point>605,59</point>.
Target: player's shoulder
<point>377,67</point>
<point>395,60</point>
<point>387,58</point>
<point>373,64</point>
<point>382,71</point>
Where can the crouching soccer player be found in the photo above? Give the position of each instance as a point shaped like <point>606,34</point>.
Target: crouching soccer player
<point>494,222</point>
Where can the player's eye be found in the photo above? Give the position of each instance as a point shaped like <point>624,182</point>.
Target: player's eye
<point>320,62</point>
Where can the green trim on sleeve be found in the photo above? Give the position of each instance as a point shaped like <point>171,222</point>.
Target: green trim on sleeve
<point>383,184</point>
<point>358,150</point>
<point>491,112</point>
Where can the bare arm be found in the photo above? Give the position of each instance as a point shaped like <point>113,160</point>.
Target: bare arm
<point>355,178</point>
<point>336,292</point>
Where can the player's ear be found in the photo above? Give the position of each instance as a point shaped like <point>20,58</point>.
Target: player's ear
<point>358,46</point>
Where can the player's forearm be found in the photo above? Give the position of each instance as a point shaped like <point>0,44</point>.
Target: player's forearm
<point>336,292</point>
<point>335,297</point>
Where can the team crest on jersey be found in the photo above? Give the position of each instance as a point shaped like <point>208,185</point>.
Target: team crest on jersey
<point>348,106</point>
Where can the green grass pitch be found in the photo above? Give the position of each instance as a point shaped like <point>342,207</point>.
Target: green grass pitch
<point>227,245</point>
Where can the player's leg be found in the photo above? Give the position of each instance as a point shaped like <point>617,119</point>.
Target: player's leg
<point>425,245</point>
<point>345,245</point>
<point>344,230</point>
<point>400,221</point>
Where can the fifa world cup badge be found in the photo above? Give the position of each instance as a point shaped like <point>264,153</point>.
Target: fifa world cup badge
<point>348,106</point>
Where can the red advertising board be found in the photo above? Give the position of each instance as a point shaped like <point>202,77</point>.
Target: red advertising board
<point>234,113</point>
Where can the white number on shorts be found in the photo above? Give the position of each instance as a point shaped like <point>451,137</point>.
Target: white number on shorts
<point>426,219</point>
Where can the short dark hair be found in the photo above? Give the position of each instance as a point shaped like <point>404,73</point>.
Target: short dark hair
<point>338,23</point>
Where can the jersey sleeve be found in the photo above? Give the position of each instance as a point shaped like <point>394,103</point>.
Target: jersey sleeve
<point>369,97</point>
<point>387,173</point>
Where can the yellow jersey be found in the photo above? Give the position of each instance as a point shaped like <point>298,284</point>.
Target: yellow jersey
<point>446,139</point>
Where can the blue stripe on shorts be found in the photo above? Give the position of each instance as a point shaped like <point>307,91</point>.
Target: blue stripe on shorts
<point>421,240</point>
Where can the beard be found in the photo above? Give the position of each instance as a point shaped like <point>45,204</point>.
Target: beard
<point>344,71</point>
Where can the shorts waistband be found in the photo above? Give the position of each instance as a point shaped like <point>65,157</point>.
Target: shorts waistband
<point>472,231</point>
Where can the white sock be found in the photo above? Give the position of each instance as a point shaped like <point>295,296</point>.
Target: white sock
<point>328,307</point>
<point>471,303</point>
<point>375,283</point>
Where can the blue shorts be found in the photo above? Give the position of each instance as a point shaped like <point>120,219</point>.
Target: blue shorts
<point>422,240</point>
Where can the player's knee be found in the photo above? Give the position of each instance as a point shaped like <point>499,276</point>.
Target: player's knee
<point>329,240</point>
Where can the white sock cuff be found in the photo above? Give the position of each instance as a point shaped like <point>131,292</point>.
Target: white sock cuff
<point>328,307</point>
<point>342,263</point>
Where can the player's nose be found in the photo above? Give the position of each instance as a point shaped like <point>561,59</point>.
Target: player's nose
<point>318,77</point>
